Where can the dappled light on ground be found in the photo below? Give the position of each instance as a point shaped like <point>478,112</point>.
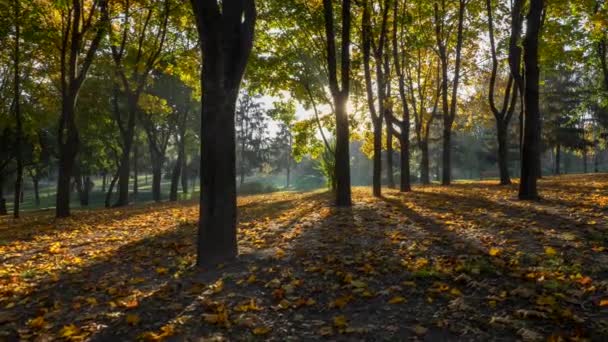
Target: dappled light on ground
<point>469,261</point>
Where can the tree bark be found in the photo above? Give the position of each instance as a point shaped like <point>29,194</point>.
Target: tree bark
<point>226,37</point>
<point>531,146</point>
<point>389,155</point>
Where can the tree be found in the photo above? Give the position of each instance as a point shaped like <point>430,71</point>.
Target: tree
<point>251,127</point>
<point>226,31</point>
<point>377,115</point>
<point>79,22</point>
<point>530,169</point>
<point>399,61</point>
<point>17,109</point>
<point>503,114</point>
<point>448,101</point>
<point>136,52</point>
<point>340,96</point>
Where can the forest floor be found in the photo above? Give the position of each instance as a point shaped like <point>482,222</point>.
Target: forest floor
<point>468,262</point>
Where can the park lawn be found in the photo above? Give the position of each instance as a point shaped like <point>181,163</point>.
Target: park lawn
<point>468,262</point>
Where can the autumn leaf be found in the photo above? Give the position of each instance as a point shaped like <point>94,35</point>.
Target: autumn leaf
<point>494,251</point>
<point>133,319</point>
<point>340,321</point>
<point>69,331</point>
<point>261,330</point>
<point>396,300</point>
<point>550,251</point>
<point>37,323</point>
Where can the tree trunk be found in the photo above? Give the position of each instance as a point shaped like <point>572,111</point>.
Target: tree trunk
<point>67,155</point>
<point>377,177</point>
<point>287,178</point>
<point>184,177</point>
<point>177,171</point>
<point>18,126</point>
<point>227,40</point>
<point>343,191</point>
<point>503,149</point>
<point>124,172</point>
<point>425,178</point>
<point>184,168</point>
<point>558,152</point>
<point>217,230</point>
<point>103,181</point>
<point>531,146</point>
<point>135,172</point>
<point>110,189</point>
<point>447,154</point>
<point>156,180</point>
<point>389,155</point>
<point>36,182</point>
<point>86,190</point>
<point>584,160</point>
<point>3,210</point>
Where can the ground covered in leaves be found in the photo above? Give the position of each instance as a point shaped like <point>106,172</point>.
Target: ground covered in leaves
<point>468,262</point>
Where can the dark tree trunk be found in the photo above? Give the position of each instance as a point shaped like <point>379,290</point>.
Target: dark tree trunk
<point>584,160</point>
<point>226,37</point>
<point>104,180</point>
<point>531,146</point>
<point>558,153</point>
<point>503,149</point>
<point>343,191</point>
<point>36,182</point>
<point>184,178</point>
<point>86,190</point>
<point>446,160</point>
<point>156,182</point>
<point>3,210</point>
<point>377,178</point>
<point>67,156</point>
<point>110,189</point>
<point>175,175</point>
<point>135,172</point>
<point>124,171</point>
<point>424,163</point>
